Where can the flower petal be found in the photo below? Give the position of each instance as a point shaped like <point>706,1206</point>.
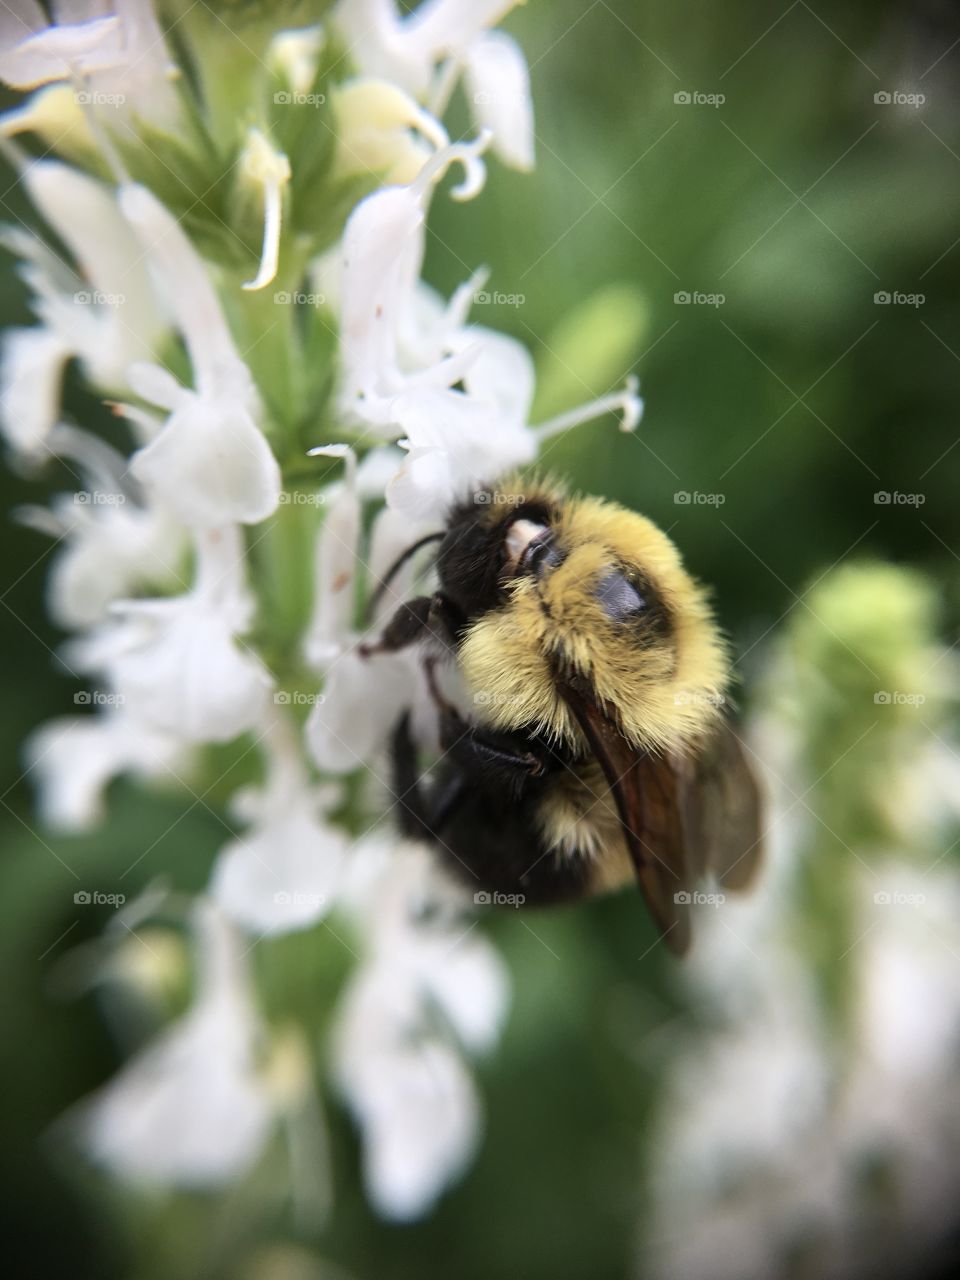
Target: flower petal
<point>211,465</point>
<point>282,876</point>
<point>498,87</point>
<point>73,760</point>
<point>31,371</point>
<point>361,701</point>
<point>55,53</point>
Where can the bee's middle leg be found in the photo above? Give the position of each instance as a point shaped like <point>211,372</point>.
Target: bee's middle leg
<point>504,759</point>
<point>422,815</point>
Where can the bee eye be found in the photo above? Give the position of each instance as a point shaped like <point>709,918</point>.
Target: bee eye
<point>618,597</point>
<point>535,554</point>
<point>530,547</point>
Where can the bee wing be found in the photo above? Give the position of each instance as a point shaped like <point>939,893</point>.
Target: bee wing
<point>649,792</point>
<point>722,812</point>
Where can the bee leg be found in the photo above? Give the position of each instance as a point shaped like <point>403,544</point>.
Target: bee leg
<point>424,615</point>
<point>420,817</point>
<point>406,626</point>
<point>489,761</point>
<point>477,752</point>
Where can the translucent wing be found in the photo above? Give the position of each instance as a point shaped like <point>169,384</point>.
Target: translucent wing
<point>681,817</point>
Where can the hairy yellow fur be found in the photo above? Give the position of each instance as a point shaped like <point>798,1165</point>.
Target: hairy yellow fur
<point>579,819</point>
<point>666,695</point>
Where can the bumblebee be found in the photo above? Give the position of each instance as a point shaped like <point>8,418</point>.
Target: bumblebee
<point>598,753</point>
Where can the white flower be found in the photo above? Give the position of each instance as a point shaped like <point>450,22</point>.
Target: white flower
<point>424,52</point>
<point>109,542</point>
<point>382,130</point>
<point>403,352</point>
<point>398,1067</point>
<point>362,697</point>
<point>336,562</point>
<point>33,51</point>
<point>179,664</point>
<point>118,57</point>
<point>283,874</point>
<point>211,464</point>
<point>72,761</point>
<point>191,1108</point>
<point>108,314</point>
<point>31,371</point>
<point>498,87</point>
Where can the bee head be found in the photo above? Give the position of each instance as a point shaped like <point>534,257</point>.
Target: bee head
<point>486,538</point>
<point>589,590</point>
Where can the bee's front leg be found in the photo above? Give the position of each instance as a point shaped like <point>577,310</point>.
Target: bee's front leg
<point>415,620</point>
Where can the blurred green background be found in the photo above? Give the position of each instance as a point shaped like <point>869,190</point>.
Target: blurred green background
<point>796,400</point>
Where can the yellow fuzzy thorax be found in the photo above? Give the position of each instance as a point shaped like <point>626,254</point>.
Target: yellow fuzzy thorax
<point>666,695</point>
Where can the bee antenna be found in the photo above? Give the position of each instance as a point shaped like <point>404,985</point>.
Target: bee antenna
<point>395,568</point>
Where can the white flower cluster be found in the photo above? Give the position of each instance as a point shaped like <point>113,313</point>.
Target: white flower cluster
<point>155,565</point>
<point>772,1120</point>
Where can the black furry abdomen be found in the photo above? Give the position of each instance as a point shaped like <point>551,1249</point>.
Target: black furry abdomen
<point>495,845</point>
<point>485,828</point>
